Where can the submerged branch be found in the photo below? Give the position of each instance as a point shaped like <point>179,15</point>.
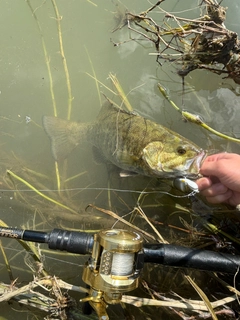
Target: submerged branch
<point>202,43</point>
<point>195,118</point>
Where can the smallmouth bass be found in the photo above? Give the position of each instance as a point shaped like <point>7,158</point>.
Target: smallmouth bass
<point>129,141</point>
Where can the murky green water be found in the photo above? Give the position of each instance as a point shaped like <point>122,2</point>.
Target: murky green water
<point>29,44</point>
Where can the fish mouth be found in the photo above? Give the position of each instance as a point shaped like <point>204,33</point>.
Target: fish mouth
<point>193,166</point>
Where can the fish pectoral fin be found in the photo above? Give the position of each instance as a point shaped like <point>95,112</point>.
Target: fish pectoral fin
<point>125,158</point>
<point>98,156</point>
<point>128,163</point>
<point>63,136</point>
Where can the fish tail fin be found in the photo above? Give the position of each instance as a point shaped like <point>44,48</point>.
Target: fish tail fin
<point>64,135</point>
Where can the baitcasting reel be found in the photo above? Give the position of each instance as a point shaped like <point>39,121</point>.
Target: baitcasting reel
<point>114,267</point>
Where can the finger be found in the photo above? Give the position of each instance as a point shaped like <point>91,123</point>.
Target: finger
<point>220,198</point>
<point>209,168</point>
<point>235,199</point>
<point>214,190</point>
<point>219,156</point>
<point>204,183</point>
<point>217,163</point>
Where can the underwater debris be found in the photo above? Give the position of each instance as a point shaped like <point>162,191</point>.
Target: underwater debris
<point>202,43</point>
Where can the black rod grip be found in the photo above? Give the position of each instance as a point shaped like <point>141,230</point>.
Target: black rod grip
<point>57,239</point>
<point>178,256</point>
<point>70,241</point>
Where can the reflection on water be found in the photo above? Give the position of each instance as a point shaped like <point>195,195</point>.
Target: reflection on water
<point>30,45</point>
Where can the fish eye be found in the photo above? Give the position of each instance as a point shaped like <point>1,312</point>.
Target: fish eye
<point>181,151</point>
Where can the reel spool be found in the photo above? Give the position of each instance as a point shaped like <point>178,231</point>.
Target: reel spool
<point>114,267</point>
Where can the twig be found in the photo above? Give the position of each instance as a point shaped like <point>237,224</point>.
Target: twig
<point>203,296</point>
<point>115,216</point>
<point>40,193</point>
<point>140,211</point>
<point>47,60</point>
<point>120,91</point>
<point>194,118</point>
<point>70,97</point>
<point>94,75</point>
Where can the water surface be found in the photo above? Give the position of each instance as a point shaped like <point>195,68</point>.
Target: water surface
<point>29,44</point>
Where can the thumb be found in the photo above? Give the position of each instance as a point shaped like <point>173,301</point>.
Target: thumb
<point>210,165</point>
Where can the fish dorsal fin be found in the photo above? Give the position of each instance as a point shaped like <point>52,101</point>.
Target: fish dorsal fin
<point>108,107</point>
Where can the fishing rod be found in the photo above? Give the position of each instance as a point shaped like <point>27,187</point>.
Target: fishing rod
<point>165,254</point>
<point>117,257</point>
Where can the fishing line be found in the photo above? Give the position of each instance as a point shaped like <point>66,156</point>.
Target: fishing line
<point>48,257</point>
<point>192,193</point>
<point>122,264</point>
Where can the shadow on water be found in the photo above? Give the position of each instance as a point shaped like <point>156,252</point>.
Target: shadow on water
<point>55,60</point>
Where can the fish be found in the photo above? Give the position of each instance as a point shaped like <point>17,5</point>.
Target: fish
<point>129,141</point>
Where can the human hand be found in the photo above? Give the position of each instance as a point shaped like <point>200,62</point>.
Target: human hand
<point>221,181</point>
